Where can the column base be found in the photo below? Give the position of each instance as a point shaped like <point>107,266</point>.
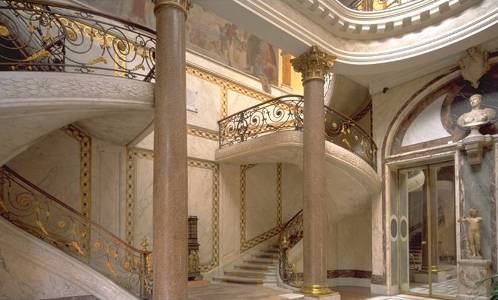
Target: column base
<point>315,291</point>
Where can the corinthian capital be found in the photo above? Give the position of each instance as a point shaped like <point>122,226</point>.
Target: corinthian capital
<point>314,63</point>
<point>184,5</point>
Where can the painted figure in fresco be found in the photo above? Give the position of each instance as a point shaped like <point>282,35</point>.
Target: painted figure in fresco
<point>477,116</point>
<point>473,232</point>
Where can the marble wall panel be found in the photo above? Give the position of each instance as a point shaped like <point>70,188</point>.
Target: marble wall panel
<point>292,191</point>
<point>201,147</point>
<point>229,212</point>
<point>478,192</point>
<point>238,102</point>
<point>108,190</point>
<point>200,204</point>
<point>53,164</point>
<point>204,97</point>
<point>261,199</point>
<point>142,213</point>
<point>346,252</point>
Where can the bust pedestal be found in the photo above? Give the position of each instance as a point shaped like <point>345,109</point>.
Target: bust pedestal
<point>471,271</point>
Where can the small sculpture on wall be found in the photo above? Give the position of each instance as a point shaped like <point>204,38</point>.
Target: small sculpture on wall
<point>474,120</point>
<point>473,232</point>
<point>474,65</point>
<point>477,117</point>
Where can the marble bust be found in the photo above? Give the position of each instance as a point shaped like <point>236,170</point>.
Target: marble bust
<point>473,232</point>
<point>477,116</point>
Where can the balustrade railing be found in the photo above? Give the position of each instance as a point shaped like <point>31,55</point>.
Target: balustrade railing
<point>291,234</point>
<point>42,215</point>
<point>286,113</point>
<point>45,36</point>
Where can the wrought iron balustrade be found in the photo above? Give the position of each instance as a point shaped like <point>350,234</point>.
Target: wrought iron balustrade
<point>286,113</point>
<point>49,219</point>
<point>291,234</point>
<point>45,36</point>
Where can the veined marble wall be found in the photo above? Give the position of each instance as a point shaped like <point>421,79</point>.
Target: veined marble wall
<point>53,164</point>
<point>57,165</point>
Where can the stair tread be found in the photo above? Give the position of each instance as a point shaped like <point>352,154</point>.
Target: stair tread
<point>239,279</point>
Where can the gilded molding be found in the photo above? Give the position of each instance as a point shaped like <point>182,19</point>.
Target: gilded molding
<point>184,5</point>
<point>279,195</point>
<point>132,155</point>
<point>314,63</point>
<point>247,244</point>
<point>202,132</point>
<point>85,142</point>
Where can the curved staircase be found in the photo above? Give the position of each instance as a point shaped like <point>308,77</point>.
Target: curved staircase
<point>258,268</point>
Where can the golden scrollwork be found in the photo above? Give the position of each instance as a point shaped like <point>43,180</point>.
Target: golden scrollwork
<point>4,31</point>
<point>314,63</point>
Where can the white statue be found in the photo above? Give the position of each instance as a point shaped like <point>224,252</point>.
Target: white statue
<point>477,116</point>
<point>473,232</point>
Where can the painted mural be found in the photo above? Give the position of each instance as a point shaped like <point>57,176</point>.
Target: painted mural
<point>207,34</point>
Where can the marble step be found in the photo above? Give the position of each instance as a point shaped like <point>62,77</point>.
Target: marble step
<point>254,274</point>
<point>267,255</point>
<point>271,251</point>
<point>261,261</point>
<point>247,266</point>
<point>245,280</point>
<point>267,259</point>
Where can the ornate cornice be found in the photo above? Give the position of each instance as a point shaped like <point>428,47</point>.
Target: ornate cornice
<point>184,5</point>
<point>313,64</point>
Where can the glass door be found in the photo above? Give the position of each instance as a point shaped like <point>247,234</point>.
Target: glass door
<point>427,245</point>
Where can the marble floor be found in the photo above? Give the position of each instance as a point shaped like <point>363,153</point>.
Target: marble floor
<point>228,291</point>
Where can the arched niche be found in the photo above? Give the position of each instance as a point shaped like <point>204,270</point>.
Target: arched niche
<point>432,121</point>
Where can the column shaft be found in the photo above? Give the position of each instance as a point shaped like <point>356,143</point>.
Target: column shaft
<point>170,156</point>
<point>313,64</point>
<point>314,206</point>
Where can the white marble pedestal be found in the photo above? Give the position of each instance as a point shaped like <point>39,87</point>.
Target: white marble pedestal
<point>471,271</point>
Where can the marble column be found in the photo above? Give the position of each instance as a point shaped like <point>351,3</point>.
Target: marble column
<point>314,64</point>
<point>170,153</point>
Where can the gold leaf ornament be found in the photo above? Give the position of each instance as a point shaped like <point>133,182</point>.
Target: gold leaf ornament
<point>4,31</point>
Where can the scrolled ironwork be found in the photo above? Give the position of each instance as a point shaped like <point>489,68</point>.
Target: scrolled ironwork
<point>282,113</point>
<point>44,36</point>
<point>44,216</point>
<point>286,113</point>
<point>291,234</point>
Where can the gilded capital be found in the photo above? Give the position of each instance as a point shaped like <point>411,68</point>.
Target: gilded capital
<point>314,63</point>
<point>184,5</point>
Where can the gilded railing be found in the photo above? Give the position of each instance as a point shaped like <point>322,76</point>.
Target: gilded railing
<point>42,215</point>
<point>44,36</point>
<point>286,113</point>
<point>289,237</point>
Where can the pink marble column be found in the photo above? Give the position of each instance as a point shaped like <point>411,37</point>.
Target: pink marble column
<point>170,154</point>
<point>313,64</point>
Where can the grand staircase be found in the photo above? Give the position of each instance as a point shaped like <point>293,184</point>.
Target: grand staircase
<point>416,251</point>
<point>90,250</point>
<point>257,268</point>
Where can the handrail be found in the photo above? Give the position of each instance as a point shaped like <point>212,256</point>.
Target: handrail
<point>67,38</point>
<point>286,113</point>
<point>290,235</point>
<point>15,176</point>
<point>44,216</point>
